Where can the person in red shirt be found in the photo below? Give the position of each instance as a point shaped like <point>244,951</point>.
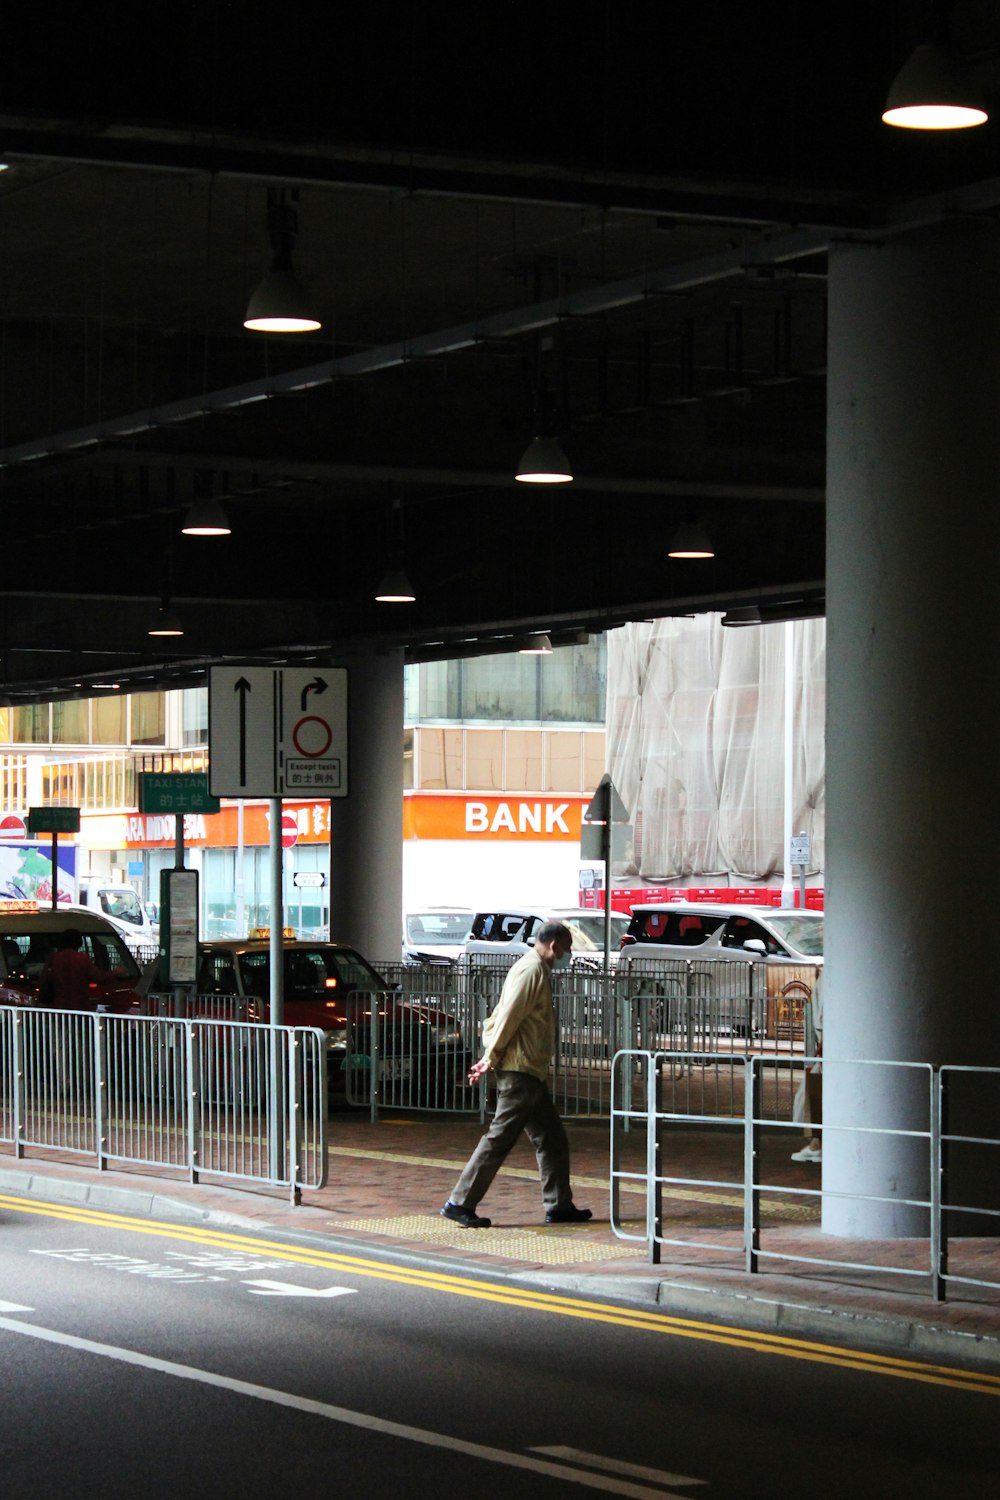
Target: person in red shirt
<point>69,974</point>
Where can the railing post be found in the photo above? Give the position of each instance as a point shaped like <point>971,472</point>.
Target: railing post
<point>100,1056</point>
<point>939,1185</point>
<point>20,1085</point>
<point>191,1105</point>
<point>654,1188</point>
<point>751,1163</point>
<point>294,1118</point>
<point>375,1059</point>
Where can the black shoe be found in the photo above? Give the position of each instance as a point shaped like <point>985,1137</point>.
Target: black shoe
<point>466,1217</point>
<point>571,1215</point>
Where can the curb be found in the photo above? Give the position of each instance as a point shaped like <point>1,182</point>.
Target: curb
<point>765,1311</point>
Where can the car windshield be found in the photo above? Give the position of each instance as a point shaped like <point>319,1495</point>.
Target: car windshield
<point>122,905</point>
<point>438,926</point>
<point>800,930</point>
<point>311,973</point>
<point>588,931</point>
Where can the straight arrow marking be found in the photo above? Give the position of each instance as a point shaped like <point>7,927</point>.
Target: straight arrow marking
<point>14,1307</point>
<point>242,686</point>
<point>288,1289</point>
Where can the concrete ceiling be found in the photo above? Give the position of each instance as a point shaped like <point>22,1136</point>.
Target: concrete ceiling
<point>615,220</point>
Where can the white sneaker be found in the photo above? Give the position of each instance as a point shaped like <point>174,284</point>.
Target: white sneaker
<point>808,1153</point>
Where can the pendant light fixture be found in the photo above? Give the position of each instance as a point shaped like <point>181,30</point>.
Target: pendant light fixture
<point>280,303</point>
<point>536,645</point>
<point>544,462</point>
<point>206,517</point>
<point>166,622</point>
<point>934,90</point>
<point>395,587</point>
<point>691,540</point>
<point>746,614</point>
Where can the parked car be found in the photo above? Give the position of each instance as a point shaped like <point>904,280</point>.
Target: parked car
<point>682,929</point>
<point>29,934</point>
<point>512,931</point>
<point>786,941</point>
<point>436,934</point>
<point>419,1045</point>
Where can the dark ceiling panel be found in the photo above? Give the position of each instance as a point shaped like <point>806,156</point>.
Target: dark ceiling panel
<point>619,227</point>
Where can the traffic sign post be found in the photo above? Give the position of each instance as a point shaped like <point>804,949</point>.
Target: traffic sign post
<point>54,820</point>
<point>605,810</point>
<point>277,731</point>
<point>799,854</point>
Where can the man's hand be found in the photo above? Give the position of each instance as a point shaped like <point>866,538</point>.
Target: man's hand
<point>478,1069</point>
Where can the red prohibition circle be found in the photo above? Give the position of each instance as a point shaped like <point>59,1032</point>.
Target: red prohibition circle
<point>312,719</point>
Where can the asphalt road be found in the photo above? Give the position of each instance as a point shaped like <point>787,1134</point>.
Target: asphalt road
<point>149,1360</point>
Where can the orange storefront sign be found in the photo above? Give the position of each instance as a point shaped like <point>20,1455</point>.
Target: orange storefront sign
<point>470,817</point>
<point>221,830</point>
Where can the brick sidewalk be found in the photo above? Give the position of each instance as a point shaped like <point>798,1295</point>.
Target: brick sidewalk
<point>387,1182</point>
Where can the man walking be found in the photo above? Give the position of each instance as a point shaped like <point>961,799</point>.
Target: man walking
<point>518,1042</point>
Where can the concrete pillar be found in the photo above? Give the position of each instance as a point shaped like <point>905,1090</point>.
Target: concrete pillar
<point>366,827</point>
<point>913,709</point>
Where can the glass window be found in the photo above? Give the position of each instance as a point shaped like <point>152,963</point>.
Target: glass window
<point>408,781</point>
<point>194,716</point>
<point>484,759</point>
<point>523,768</point>
<point>441,759</point>
<point>107,717</point>
<point>500,687</point>
<point>71,723</point>
<point>30,724</point>
<point>564,762</point>
<point>572,683</point>
<point>149,718</point>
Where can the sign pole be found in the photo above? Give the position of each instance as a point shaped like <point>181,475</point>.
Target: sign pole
<point>55,870</point>
<point>276,1132</point>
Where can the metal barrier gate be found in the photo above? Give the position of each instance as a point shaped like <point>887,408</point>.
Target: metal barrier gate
<point>196,1095</point>
<point>745,1096</point>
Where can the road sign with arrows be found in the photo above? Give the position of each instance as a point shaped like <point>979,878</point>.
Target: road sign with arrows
<point>277,731</point>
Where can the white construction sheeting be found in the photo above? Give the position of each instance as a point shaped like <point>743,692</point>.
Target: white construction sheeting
<point>695,746</point>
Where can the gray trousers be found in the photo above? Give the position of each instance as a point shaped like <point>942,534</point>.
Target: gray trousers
<point>523,1103</point>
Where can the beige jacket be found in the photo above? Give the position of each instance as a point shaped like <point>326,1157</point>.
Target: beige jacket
<point>519,1035</point>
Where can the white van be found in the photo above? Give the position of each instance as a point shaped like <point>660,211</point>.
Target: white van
<point>121,906</point>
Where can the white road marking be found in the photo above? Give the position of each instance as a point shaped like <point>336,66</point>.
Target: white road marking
<point>616,1466</point>
<point>9,1307</point>
<point>606,1483</point>
<point>288,1289</point>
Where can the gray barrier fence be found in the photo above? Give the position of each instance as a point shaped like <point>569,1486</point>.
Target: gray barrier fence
<point>231,1099</point>
<point>938,1117</point>
<point>718,1011</point>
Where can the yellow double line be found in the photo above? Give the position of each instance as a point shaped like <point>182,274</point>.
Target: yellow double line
<point>534,1301</point>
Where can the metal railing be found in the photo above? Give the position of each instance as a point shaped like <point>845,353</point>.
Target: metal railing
<point>723,1008</point>
<point>196,1095</point>
<point>745,1099</point>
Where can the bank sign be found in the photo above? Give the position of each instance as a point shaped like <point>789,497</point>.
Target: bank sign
<point>485,818</point>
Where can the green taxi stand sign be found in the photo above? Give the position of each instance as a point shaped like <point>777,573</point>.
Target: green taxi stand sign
<point>53,820</point>
<point>176,792</point>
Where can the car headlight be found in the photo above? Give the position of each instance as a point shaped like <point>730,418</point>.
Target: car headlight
<point>446,1035</point>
